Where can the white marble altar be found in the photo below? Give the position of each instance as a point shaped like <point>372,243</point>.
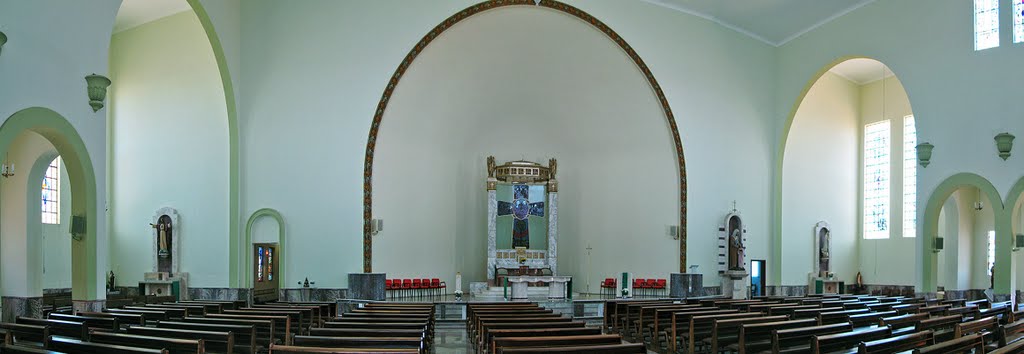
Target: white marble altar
<point>734,284</point>
<point>556,286</point>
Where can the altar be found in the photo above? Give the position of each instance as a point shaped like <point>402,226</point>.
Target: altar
<point>557,286</point>
<point>522,220</point>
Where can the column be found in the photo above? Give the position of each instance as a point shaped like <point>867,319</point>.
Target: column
<point>553,226</point>
<point>492,227</point>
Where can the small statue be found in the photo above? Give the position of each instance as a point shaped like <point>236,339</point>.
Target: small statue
<point>553,166</point>
<point>737,243</point>
<point>162,230</point>
<point>491,166</point>
<point>826,240</point>
<point>111,281</point>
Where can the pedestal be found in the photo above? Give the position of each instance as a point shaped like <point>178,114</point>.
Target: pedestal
<point>519,290</point>
<point>734,284</point>
<point>683,285</point>
<point>820,286</point>
<point>366,286</point>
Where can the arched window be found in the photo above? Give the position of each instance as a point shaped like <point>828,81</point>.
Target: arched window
<point>51,193</point>
<point>986,24</point>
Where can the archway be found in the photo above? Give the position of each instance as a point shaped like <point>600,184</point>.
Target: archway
<point>281,241</point>
<point>51,227</point>
<point>820,176</point>
<point>558,8</point>
<point>86,279</point>
<point>938,198</point>
<point>1014,210</point>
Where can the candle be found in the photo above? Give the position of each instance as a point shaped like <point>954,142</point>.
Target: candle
<point>458,281</point>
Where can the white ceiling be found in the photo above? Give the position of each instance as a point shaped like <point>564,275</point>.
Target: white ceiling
<point>137,12</point>
<point>862,70</point>
<point>772,21</point>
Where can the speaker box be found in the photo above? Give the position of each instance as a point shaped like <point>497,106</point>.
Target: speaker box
<point>939,243</point>
<point>1019,241</point>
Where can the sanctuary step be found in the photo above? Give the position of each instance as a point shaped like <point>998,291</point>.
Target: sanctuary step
<point>498,292</point>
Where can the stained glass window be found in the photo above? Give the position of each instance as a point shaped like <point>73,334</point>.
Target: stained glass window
<point>986,24</point>
<point>270,264</point>
<point>1018,21</point>
<point>521,218</point>
<point>909,177</point>
<point>991,251</point>
<point>51,193</point>
<point>259,264</point>
<point>876,180</point>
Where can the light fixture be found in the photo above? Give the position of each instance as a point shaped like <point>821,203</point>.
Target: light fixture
<point>376,226</point>
<point>97,89</point>
<point>7,169</point>
<point>924,154</point>
<point>3,40</point>
<point>1004,143</point>
<point>978,206</point>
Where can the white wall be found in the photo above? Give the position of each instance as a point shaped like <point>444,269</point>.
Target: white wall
<point>169,147</point>
<point>820,180</point>
<point>961,98</point>
<point>16,279</point>
<point>57,240</point>
<point>51,46</point>
<point>323,90</point>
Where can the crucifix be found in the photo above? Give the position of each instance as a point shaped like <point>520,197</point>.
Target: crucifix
<point>521,210</point>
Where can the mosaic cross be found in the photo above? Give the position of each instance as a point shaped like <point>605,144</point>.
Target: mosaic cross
<point>521,209</point>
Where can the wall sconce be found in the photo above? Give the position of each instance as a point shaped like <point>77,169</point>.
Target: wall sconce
<point>924,154</point>
<point>938,244</point>
<point>673,232</point>
<point>376,226</point>
<point>3,40</point>
<point>979,206</point>
<point>97,85</point>
<point>7,169</point>
<point>1018,242</point>
<point>1004,142</point>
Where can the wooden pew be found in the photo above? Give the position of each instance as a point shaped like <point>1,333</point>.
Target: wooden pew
<point>987,327</point>
<point>662,320</point>
<point>288,349</point>
<point>17,349</point>
<point>377,332</point>
<point>282,324</point>
<point>789,310</point>
<point>967,312</point>
<point>834,317</point>
<point>332,307</point>
<point>75,330</point>
<point>191,310</point>
<point>613,307</point>
<point>486,324</point>
<point>172,313</point>
<point>125,319</point>
<point>207,307</point>
<point>901,323</point>
<point>172,345</point>
<point>108,323</point>
<point>360,342</point>
<point>495,334</point>
<point>798,340</point>
<point>69,345</point>
<point>500,344</point>
<point>943,328</point>
<point>149,315</point>
<point>973,343</point>
<point>848,340</point>
<point>26,333</point>
<point>1012,348</point>
<point>243,337</point>
<point>297,320</point>
<point>725,332</point>
<point>590,349</point>
<point>481,342</point>
<point>896,344</point>
<point>756,337</point>
<point>869,319</point>
<point>699,327</point>
<point>647,314</point>
<point>218,342</point>
<point>1011,333</point>
<point>265,330</point>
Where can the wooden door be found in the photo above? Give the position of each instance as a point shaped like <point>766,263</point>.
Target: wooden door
<point>265,274</point>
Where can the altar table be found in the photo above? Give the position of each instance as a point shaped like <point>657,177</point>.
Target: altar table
<point>556,285</point>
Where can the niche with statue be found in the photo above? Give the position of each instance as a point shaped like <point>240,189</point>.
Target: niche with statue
<point>823,280</point>
<point>165,279</point>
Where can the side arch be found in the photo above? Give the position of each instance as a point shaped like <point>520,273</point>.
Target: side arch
<point>32,217</point>
<point>931,226</point>
<point>281,243</point>
<point>82,178</point>
<point>476,9</point>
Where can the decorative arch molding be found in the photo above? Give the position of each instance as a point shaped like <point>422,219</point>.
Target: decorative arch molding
<point>476,9</point>
<point>780,154</point>
<point>1004,242</point>
<point>274,214</point>
<point>82,179</point>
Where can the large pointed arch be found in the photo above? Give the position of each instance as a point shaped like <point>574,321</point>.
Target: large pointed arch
<point>476,9</point>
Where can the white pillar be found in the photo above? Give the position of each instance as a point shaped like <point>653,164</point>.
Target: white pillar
<point>553,226</point>
<point>492,227</point>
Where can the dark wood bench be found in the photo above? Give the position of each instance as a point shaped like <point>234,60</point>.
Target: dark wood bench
<point>217,342</point>
<point>869,319</point>
<point>834,317</point>
<point>499,344</point>
<point>172,345</point>
<point>190,310</point>
<point>700,327</point>
<point>288,349</point>
<point>902,322</point>
<point>207,307</point>
<point>681,322</point>
<point>70,329</point>
<point>493,334</point>
<point>360,342</point>
<point>243,336</point>
<point>943,327</point>
<point>1012,348</point>
<point>70,345</point>
<point>265,331</point>
<point>798,340</point>
<point>108,323</point>
<point>847,341</point>
<point>26,333</point>
<point>757,337</point>
<point>125,319</point>
<point>282,324</point>
<point>987,327</point>
<point>967,312</point>
<point>590,349</point>
<point>896,344</point>
<point>17,349</point>
<point>171,313</point>
<point>296,320</point>
<point>150,315</point>
<point>724,334</point>
<point>973,343</point>
<point>1011,333</point>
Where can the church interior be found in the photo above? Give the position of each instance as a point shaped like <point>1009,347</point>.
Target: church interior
<point>511,176</point>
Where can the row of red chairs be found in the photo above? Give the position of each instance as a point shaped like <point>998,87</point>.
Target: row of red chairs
<point>641,287</point>
<point>415,287</point>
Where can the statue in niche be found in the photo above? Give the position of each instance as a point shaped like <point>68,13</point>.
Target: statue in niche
<point>824,243</point>
<point>736,247</point>
<point>491,166</point>
<point>111,282</point>
<point>164,241</point>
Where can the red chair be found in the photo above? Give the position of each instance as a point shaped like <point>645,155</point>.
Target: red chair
<point>425,285</point>
<point>661,285</point>
<point>416,286</point>
<point>406,286</point>
<point>387,287</point>
<point>441,287</point>
<point>638,286</point>
<point>608,285</point>
<point>649,285</point>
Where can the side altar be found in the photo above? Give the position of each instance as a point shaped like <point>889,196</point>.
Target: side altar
<point>823,280</point>
<point>522,219</point>
<point>165,279</point>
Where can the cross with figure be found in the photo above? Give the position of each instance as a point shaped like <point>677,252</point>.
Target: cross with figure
<point>521,210</point>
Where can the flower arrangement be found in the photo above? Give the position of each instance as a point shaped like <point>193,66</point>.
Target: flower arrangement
<point>625,292</point>
<point>458,294</point>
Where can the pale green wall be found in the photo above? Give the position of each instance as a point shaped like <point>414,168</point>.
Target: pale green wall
<point>169,144</point>
<point>22,269</point>
<point>57,241</point>
<point>821,179</point>
<point>324,89</point>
